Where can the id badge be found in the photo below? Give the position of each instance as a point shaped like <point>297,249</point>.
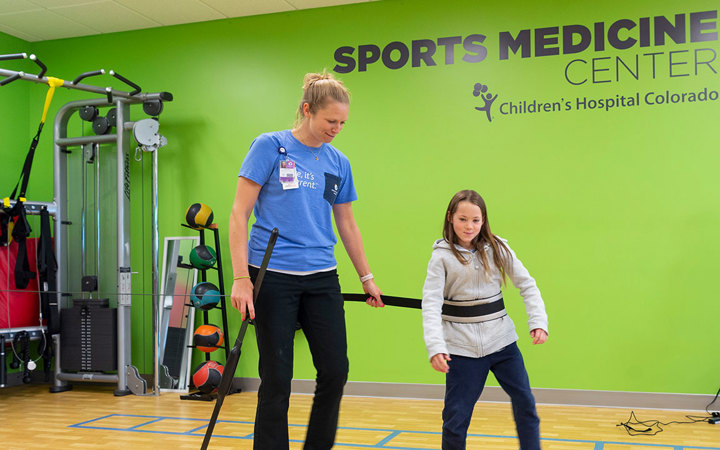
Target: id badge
<point>288,174</point>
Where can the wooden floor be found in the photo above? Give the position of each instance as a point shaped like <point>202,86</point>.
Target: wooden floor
<point>90,417</point>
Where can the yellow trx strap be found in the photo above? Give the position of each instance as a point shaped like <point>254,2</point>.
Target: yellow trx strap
<point>25,174</point>
<point>53,83</point>
<point>7,226</point>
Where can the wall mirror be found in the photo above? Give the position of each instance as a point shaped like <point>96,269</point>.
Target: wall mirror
<point>176,316</point>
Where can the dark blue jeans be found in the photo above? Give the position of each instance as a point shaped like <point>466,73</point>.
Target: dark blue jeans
<point>464,384</point>
<point>315,302</point>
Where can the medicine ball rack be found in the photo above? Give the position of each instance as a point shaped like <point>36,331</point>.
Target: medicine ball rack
<point>221,304</point>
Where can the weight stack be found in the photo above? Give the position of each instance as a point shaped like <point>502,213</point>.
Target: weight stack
<point>88,336</point>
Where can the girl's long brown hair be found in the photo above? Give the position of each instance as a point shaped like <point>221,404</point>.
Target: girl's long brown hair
<point>501,254</point>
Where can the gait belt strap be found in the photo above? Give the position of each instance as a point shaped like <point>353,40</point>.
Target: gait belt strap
<point>468,312</point>
<point>402,302</point>
<point>474,313</point>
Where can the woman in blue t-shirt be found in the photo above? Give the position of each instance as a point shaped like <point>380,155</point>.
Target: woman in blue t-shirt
<point>296,181</point>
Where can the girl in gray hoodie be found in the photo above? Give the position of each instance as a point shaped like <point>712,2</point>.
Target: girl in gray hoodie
<point>467,330</point>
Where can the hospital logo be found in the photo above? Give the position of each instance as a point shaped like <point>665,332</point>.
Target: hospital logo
<point>481,90</point>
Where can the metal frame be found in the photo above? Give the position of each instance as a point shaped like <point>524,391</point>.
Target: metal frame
<point>60,147</point>
<point>168,293</point>
<point>122,138</point>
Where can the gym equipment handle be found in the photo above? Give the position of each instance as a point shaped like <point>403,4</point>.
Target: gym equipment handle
<point>43,67</point>
<point>82,76</point>
<point>13,56</point>
<point>32,57</point>
<point>136,88</point>
<point>11,79</point>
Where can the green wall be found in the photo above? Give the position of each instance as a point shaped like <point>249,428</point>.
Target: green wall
<point>15,130</point>
<point>613,211</point>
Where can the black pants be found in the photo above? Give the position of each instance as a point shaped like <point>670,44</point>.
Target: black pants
<point>316,303</point>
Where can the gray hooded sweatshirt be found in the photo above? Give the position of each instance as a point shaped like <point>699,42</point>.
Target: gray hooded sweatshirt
<point>448,278</point>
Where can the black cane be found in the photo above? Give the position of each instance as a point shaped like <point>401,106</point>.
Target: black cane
<point>234,355</point>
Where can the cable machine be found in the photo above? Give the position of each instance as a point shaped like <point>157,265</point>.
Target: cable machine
<point>92,219</point>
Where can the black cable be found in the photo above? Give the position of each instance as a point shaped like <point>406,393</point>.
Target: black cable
<point>107,294</point>
<point>716,413</point>
<point>653,427</point>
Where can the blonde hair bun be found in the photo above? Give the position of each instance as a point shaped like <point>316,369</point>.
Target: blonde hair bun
<point>318,89</point>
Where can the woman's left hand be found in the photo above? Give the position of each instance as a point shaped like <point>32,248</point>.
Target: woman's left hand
<point>374,292</point>
<point>539,336</point>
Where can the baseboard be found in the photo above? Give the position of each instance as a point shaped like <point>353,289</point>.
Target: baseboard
<point>574,397</point>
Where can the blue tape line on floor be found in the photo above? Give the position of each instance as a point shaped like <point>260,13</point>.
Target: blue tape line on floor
<point>384,443</point>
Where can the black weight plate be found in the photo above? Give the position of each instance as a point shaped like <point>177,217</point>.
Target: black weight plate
<point>101,125</point>
<point>112,116</point>
<point>153,107</point>
<point>88,113</point>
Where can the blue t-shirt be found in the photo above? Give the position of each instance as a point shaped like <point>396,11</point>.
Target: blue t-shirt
<point>304,215</point>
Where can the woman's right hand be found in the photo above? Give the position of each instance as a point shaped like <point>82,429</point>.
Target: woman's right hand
<point>242,289</point>
<point>242,297</point>
<point>439,362</point>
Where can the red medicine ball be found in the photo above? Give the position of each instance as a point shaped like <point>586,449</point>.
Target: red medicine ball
<point>207,376</point>
<point>208,338</point>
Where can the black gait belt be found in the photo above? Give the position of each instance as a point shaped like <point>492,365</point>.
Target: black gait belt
<point>402,302</point>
